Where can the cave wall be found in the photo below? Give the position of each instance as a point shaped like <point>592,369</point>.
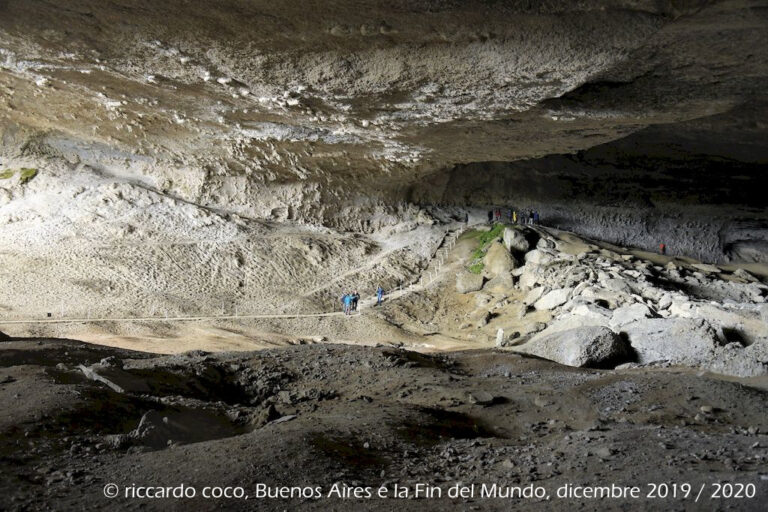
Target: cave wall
<point>699,187</point>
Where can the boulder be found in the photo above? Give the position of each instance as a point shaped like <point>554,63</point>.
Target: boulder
<point>498,260</point>
<point>538,257</point>
<point>533,295</point>
<point>553,299</point>
<point>515,241</point>
<point>529,278</point>
<point>4,337</point>
<point>591,346</point>
<point>628,314</point>
<point>467,282</point>
<point>545,243</point>
<point>501,284</point>
<point>677,340</point>
<point>592,311</point>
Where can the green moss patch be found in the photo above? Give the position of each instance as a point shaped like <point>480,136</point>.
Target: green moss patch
<point>484,239</point>
<point>26,174</point>
<point>7,174</point>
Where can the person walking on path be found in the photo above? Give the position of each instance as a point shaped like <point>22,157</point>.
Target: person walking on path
<point>379,295</point>
<point>347,303</point>
<point>355,300</point>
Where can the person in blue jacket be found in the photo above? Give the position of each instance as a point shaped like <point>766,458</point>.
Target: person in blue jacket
<point>379,295</point>
<point>347,303</point>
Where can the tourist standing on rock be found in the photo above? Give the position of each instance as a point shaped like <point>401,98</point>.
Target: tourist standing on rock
<point>466,217</point>
<point>662,249</point>
<point>530,217</point>
<point>347,303</point>
<point>490,216</point>
<point>514,216</point>
<point>536,217</point>
<point>355,299</point>
<point>379,295</point>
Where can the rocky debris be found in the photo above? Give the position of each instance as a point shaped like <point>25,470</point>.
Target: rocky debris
<point>515,241</point>
<point>593,347</point>
<point>467,282</point>
<point>707,269</point>
<point>540,257</point>
<point>498,260</point>
<point>553,299</point>
<point>533,295</point>
<point>745,276</point>
<point>628,314</point>
<point>110,372</point>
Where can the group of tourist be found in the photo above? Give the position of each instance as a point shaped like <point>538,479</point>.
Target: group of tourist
<point>523,217</point>
<point>350,300</point>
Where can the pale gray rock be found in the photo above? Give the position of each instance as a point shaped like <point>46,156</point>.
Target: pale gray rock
<point>538,257</point>
<point>467,282</point>
<point>628,314</point>
<point>534,295</point>
<point>592,311</point>
<point>553,299</point>
<point>498,260</point>
<point>593,346</point>
<point>501,284</point>
<point>677,340</point>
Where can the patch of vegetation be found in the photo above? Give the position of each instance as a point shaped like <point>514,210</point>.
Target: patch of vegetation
<point>7,174</point>
<point>484,239</point>
<point>476,268</point>
<point>26,174</point>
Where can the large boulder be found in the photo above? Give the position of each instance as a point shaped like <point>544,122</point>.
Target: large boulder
<point>676,340</point>
<point>553,299</point>
<point>498,260</point>
<point>515,241</point>
<point>467,282</point>
<point>591,346</point>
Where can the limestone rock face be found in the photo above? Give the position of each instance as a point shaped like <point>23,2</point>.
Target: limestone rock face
<point>467,282</point>
<point>592,346</point>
